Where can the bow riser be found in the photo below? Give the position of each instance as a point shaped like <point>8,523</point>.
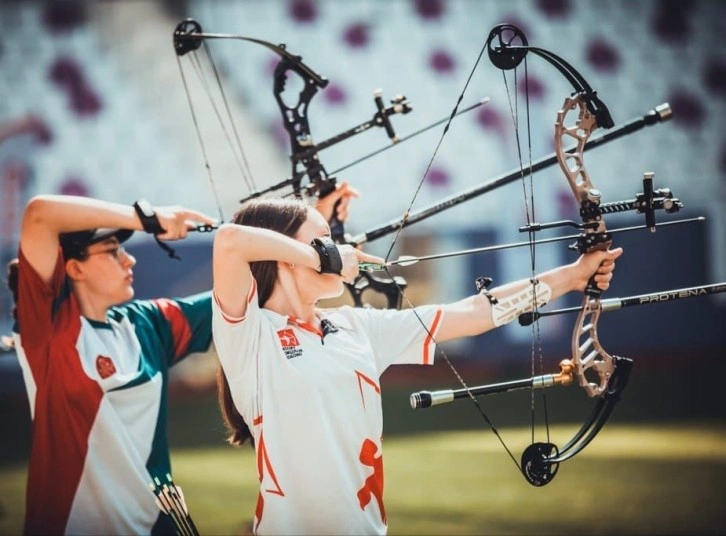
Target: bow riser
<point>593,365</point>
<point>571,162</point>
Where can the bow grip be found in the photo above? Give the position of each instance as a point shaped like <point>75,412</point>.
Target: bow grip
<point>592,290</point>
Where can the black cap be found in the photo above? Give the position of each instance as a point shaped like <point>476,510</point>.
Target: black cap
<point>74,244</point>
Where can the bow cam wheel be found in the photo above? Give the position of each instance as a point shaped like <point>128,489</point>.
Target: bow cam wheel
<point>536,467</point>
<point>506,46</point>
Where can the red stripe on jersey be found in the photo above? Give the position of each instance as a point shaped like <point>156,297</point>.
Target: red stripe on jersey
<point>265,467</point>
<point>257,420</point>
<point>250,297</point>
<point>429,337</point>
<point>66,401</point>
<point>369,381</point>
<point>180,330</point>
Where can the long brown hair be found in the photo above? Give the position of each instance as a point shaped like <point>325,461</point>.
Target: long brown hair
<point>284,216</point>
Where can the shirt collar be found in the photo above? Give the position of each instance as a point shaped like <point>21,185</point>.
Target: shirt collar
<point>332,315</point>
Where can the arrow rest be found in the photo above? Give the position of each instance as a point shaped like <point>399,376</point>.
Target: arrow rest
<point>536,467</point>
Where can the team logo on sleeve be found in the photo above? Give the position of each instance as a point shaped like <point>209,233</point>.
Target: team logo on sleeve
<point>105,367</point>
<point>290,344</point>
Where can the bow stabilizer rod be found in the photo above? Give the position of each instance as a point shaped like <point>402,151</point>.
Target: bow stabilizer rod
<point>399,105</point>
<point>613,304</point>
<point>426,399</point>
<point>657,115</point>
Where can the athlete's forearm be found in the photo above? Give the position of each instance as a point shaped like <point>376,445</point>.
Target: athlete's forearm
<point>251,244</point>
<point>478,314</point>
<point>63,213</point>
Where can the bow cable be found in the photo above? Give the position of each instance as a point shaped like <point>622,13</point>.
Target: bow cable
<point>405,217</point>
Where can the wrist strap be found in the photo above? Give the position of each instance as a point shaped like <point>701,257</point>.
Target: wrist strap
<point>330,261</point>
<point>147,217</point>
<point>151,225</point>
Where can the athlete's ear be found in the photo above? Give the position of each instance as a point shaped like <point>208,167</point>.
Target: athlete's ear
<point>74,270</point>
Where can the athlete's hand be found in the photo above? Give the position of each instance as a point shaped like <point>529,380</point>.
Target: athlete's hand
<point>600,264</point>
<point>177,221</point>
<point>344,193</point>
<point>351,258</point>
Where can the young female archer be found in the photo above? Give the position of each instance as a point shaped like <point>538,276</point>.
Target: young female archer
<point>303,383</point>
<point>95,362</point>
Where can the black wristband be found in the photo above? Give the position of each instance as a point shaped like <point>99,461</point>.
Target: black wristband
<point>147,217</point>
<point>330,261</point>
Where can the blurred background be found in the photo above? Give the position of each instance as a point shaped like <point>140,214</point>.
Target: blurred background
<point>92,103</point>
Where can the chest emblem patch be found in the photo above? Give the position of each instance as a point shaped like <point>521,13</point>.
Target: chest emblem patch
<point>105,367</point>
<point>289,342</point>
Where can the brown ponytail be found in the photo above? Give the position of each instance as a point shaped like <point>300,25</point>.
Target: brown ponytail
<point>238,430</point>
<point>284,216</point>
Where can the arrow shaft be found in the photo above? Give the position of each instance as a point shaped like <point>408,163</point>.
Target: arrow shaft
<point>413,260</point>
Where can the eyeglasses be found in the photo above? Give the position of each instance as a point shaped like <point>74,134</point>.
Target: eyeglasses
<point>114,252</point>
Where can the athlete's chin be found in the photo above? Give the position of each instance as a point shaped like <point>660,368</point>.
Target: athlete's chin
<point>128,294</point>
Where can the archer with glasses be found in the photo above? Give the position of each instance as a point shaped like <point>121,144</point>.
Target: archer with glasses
<point>95,362</point>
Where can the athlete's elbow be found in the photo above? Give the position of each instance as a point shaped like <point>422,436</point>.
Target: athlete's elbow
<point>228,237</point>
<point>37,209</point>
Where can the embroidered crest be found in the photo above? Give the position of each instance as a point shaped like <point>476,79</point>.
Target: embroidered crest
<point>105,367</point>
<point>290,344</point>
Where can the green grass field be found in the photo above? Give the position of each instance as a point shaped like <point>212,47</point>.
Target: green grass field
<point>634,479</point>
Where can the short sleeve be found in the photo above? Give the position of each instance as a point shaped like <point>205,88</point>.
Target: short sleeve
<point>190,322</point>
<point>169,329</point>
<point>237,339</point>
<point>38,301</point>
<point>402,337</point>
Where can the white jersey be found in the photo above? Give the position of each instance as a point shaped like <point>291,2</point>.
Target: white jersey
<point>312,401</point>
<point>97,394</point>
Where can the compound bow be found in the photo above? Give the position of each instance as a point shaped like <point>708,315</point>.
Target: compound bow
<point>603,376</point>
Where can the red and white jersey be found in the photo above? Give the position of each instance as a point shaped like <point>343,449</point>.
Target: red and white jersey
<point>313,404</point>
<point>97,393</point>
